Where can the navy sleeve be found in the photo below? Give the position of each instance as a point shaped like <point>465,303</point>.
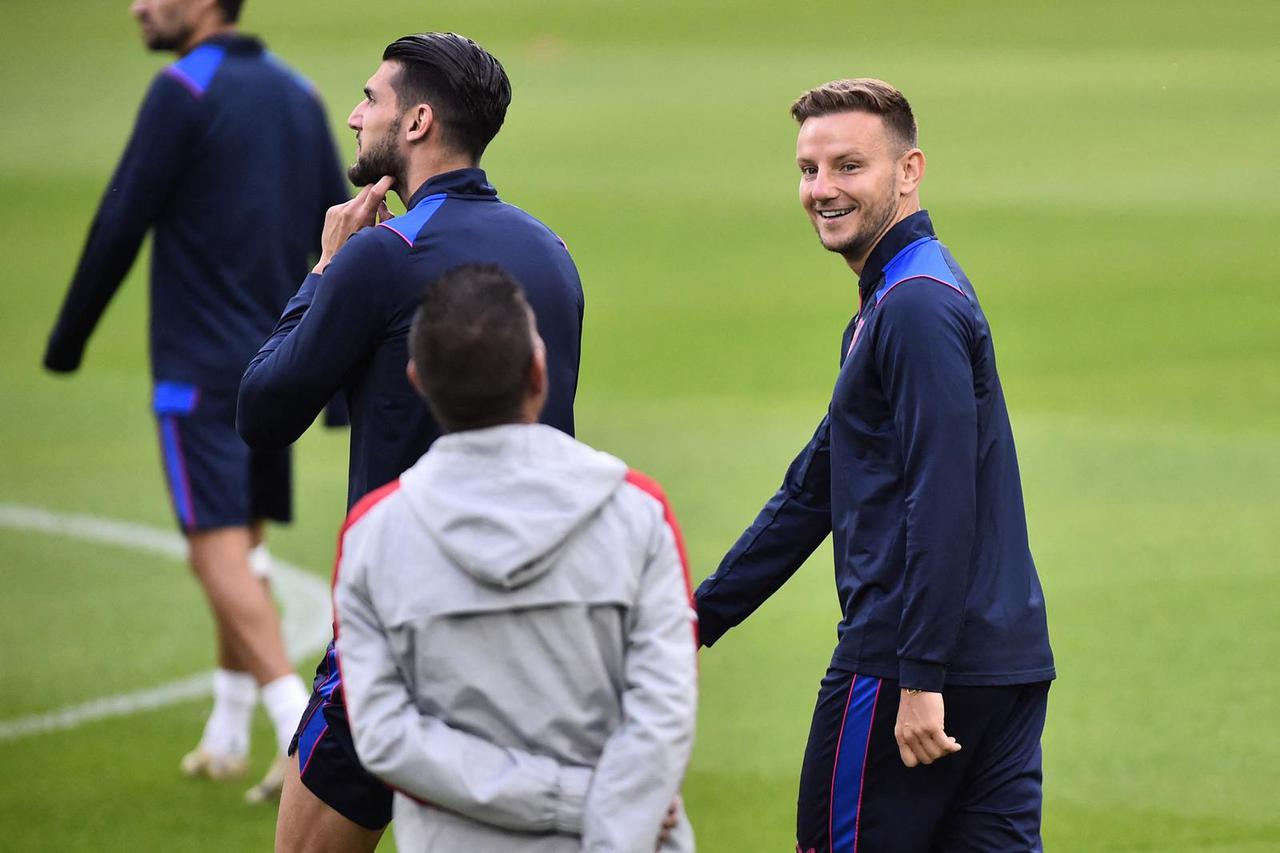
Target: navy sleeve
<point>142,184</point>
<point>792,524</point>
<point>923,353</point>
<point>334,321</point>
<point>333,183</point>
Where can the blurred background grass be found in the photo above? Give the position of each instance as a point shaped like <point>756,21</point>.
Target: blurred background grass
<point>1105,172</point>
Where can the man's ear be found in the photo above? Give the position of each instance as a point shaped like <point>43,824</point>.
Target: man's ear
<point>417,122</point>
<point>411,371</point>
<point>912,171</point>
<point>536,381</point>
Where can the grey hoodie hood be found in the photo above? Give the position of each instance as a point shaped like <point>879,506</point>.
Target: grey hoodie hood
<point>500,501</point>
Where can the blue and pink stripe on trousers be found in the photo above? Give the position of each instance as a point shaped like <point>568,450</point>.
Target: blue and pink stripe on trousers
<point>848,771</point>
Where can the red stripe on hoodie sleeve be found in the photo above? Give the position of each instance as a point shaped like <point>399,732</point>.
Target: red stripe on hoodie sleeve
<point>361,509</point>
<point>650,486</point>
<point>358,512</point>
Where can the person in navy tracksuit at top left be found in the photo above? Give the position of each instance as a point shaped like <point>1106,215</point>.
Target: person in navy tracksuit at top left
<point>231,166</point>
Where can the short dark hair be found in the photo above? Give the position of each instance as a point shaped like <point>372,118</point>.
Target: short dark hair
<point>472,342</point>
<point>862,94</point>
<point>230,10</point>
<point>465,85</point>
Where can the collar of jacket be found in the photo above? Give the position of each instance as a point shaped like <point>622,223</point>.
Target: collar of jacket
<point>896,239</point>
<point>235,42</point>
<point>468,182</point>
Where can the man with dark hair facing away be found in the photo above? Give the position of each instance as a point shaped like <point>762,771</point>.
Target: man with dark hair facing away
<point>521,586</point>
<point>913,469</point>
<point>429,111</point>
<point>232,166</point>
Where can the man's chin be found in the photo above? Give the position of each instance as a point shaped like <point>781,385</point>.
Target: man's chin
<point>359,176</point>
<point>835,244</point>
<point>362,174</point>
<point>158,40</point>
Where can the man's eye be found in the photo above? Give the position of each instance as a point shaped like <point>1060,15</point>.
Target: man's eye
<point>808,170</point>
<point>849,167</point>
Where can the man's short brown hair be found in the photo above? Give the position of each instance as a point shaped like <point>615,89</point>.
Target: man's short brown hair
<point>472,341</point>
<point>863,94</point>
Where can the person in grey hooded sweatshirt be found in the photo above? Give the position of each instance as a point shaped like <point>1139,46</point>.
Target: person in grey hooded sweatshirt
<point>522,587</point>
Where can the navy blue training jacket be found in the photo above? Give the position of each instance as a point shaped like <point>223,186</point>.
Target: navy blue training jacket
<point>349,327</point>
<point>914,471</point>
<point>232,163</point>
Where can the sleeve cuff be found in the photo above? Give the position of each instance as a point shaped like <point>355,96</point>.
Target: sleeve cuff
<point>306,294</point>
<point>309,285</point>
<point>61,362</point>
<point>571,797</point>
<point>61,358</point>
<point>918,675</point>
<point>710,628</point>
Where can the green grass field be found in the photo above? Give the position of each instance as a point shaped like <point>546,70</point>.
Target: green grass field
<point>1105,172</point>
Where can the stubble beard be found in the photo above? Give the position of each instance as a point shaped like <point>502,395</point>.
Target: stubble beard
<point>379,159</point>
<point>167,41</point>
<point>876,220</point>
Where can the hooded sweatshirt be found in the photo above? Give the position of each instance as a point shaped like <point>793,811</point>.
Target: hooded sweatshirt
<point>523,588</point>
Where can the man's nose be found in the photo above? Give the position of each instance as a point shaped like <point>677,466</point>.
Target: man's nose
<point>355,121</point>
<point>822,187</point>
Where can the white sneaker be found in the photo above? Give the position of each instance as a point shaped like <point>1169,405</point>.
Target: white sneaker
<point>199,764</point>
<point>271,784</point>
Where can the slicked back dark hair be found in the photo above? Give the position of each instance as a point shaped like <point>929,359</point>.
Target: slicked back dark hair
<point>472,344</point>
<point>230,10</point>
<point>465,85</point>
<point>863,94</point>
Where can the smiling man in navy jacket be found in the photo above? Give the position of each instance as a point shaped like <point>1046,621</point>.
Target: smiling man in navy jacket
<point>429,112</point>
<point>914,471</point>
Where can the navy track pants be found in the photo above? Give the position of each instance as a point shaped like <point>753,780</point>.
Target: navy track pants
<point>856,795</point>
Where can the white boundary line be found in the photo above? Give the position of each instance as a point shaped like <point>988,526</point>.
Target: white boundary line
<point>305,623</point>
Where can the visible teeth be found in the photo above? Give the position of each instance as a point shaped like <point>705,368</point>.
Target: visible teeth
<point>832,214</point>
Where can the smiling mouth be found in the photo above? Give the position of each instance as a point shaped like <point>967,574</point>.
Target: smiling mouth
<point>835,214</point>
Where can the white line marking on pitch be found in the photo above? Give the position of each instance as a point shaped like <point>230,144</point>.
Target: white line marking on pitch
<point>306,621</point>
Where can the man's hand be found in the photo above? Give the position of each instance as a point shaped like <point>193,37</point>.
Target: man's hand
<point>669,822</point>
<point>918,730</point>
<point>344,220</point>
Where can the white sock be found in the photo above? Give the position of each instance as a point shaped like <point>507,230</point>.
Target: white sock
<point>227,730</point>
<point>260,561</point>
<point>285,700</point>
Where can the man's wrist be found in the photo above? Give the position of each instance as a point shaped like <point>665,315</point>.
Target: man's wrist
<point>921,675</point>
